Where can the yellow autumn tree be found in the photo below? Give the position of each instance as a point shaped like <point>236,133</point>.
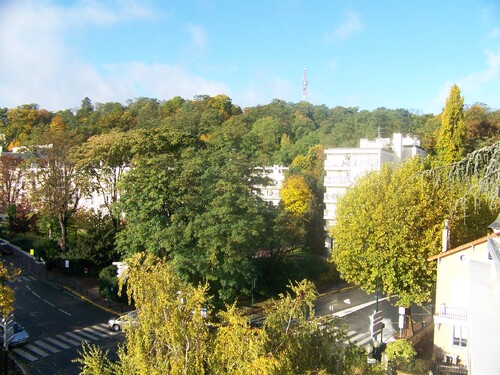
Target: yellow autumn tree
<point>57,124</point>
<point>295,195</point>
<point>7,294</point>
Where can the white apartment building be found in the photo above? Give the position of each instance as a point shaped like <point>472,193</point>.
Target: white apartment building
<point>344,165</point>
<point>275,175</point>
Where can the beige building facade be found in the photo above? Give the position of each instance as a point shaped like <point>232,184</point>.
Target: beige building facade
<point>467,308</point>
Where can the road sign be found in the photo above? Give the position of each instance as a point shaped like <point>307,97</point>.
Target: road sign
<point>8,331</point>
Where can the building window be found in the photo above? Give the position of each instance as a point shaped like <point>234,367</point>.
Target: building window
<point>460,336</point>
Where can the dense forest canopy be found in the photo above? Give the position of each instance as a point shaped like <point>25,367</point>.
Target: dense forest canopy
<point>273,133</point>
<point>176,178</point>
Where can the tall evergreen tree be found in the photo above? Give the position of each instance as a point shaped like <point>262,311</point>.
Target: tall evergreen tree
<point>451,144</point>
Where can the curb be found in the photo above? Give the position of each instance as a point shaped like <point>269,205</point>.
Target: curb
<point>90,301</point>
<point>344,289</point>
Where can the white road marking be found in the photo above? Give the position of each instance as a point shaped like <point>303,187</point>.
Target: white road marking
<point>76,337</point>
<point>72,342</point>
<point>85,334</point>
<point>24,354</point>
<point>48,303</point>
<point>350,310</point>
<point>102,328</point>
<point>94,331</point>
<point>50,348</point>
<point>36,350</point>
<point>57,342</point>
<point>65,312</point>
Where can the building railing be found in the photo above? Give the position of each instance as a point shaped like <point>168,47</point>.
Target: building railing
<point>337,181</point>
<point>329,214</point>
<point>331,197</point>
<point>336,163</point>
<point>452,312</point>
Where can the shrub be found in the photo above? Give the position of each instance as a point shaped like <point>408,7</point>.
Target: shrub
<point>400,352</point>
<point>46,248</point>
<point>108,284</point>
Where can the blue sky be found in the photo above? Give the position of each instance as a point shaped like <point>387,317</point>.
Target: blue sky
<point>363,53</point>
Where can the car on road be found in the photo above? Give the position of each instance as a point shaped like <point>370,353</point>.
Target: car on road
<point>119,322</point>
<point>6,248</point>
<point>19,335</point>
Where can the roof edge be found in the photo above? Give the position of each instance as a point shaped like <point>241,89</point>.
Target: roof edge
<point>459,248</point>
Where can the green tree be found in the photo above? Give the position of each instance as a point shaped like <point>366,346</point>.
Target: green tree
<point>104,159</point>
<point>401,352</point>
<point>481,128</point>
<point>387,225</point>
<point>23,122</point>
<point>58,184</point>
<point>195,206</point>
<point>451,143</point>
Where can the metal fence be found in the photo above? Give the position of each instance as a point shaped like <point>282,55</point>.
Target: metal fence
<point>434,368</point>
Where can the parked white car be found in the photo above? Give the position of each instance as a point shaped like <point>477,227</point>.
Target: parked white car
<point>119,322</point>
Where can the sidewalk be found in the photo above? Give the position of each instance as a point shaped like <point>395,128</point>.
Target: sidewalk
<point>85,288</point>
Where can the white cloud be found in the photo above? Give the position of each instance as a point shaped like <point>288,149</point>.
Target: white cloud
<point>476,87</point>
<point>39,65</point>
<point>162,81</point>
<point>476,80</point>
<point>351,25</point>
<point>494,33</point>
<point>198,36</point>
<point>263,89</point>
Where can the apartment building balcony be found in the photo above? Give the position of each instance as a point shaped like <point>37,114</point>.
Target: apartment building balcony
<point>336,164</point>
<point>451,315</point>
<point>329,215</point>
<point>331,197</point>
<point>337,181</point>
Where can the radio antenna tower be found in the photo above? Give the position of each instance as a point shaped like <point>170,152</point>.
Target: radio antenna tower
<point>304,86</point>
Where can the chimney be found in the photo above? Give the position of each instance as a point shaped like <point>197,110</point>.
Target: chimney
<point>446,235</point>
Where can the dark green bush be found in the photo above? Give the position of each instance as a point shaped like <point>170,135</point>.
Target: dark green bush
<point>108,284</point>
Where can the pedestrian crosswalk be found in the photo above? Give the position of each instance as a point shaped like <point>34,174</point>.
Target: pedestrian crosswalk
<point>25,279</point>
<point>45,347</point>
<point>360,339</point>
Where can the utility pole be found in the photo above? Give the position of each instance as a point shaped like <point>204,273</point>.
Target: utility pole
<point>304,86</point>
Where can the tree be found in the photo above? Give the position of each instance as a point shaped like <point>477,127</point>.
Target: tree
<point>451,143</point>
<point>105,158</point>
<point>240,349</point>
<point>195,206</point>
<point>296,195</point>
<point>25,121</point>
<point>481,128</point>
<point>7,294</point>
<point>11,181</point>
<point>299,340</point>
<point>388,224</point>
<point>478,173</point>
<point>401,353</point>
<point>58,184</point>
<point>172,325</point>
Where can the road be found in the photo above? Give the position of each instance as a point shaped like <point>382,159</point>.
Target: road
<point>354,308</point>
<point>58,323</point>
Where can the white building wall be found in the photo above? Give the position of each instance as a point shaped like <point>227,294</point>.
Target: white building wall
<point>276,175</point>
<point>344,165</point>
